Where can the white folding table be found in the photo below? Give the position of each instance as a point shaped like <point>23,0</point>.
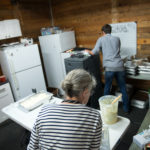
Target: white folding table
<point>27,119</point>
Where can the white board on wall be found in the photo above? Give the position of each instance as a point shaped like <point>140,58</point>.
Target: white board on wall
<point>127,32</point>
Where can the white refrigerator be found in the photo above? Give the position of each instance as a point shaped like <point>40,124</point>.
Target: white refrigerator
<point>22,66</point>
<point>52,48</point>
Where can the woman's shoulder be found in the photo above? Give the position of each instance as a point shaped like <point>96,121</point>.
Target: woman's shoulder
<point>94,111</point>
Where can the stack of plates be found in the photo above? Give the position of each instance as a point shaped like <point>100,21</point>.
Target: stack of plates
<point>144,68</point>
<point>131,68</point>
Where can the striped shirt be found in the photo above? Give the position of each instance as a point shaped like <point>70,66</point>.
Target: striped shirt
<point>66,127</point>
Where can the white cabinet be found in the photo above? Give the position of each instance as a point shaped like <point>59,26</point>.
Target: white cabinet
<point>5,99</point>
<point>10,28</point>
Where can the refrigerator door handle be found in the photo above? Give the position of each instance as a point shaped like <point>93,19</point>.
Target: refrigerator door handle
<point>11,65</point>
<point>12,69</point>
<point>16,84</point>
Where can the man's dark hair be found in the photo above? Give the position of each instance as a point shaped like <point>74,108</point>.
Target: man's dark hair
<point>106,28</point>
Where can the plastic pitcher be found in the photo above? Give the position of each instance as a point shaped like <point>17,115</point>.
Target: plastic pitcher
<point>109,112</point>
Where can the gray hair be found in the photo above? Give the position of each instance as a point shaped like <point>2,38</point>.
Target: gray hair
<point>77,81</point>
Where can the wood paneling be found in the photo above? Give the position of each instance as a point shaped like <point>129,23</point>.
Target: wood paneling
<point>84,17</point>
<point>33,15</point>
<point>87,18</point>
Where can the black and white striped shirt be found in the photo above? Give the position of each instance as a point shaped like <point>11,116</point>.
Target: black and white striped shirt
<point>66,127</point>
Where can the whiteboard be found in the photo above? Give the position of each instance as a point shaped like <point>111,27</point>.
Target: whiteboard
<point>127,32</point>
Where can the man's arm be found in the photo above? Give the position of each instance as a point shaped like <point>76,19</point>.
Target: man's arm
<point>89,51</point>
<point>96,48</point>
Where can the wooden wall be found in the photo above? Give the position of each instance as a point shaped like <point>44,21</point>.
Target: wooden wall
<point>87,17</point>
<point>33,15</point>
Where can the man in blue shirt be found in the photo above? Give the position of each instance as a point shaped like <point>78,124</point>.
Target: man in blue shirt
<point>112,62</point>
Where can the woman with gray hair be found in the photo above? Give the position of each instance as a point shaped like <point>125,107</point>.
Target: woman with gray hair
<point>71,124</point>
<point>78,85</point>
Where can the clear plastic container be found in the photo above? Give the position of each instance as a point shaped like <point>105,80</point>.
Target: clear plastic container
<point>105,144</point>
<point>109,112</point>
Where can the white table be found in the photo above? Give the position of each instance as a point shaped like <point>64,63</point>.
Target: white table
<point>117,130</point>
<point>27,119</point>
